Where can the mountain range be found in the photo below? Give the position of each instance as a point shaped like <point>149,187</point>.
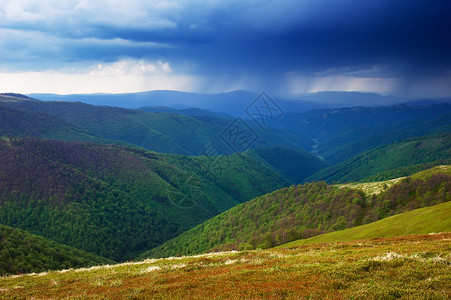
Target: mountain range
<point>95,184</point>
<point>103,192</point>
<point>234,102</point>
<point>157,131</point>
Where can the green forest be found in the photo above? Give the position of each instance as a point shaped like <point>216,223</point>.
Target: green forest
<point>391,161</point>
<point>156,131</point>
<point>302,211</point>
<point>87,177</point>
<point>94,197</point>
<point>22,252</point>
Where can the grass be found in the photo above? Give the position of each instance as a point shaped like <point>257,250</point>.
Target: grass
<point>372,188</point>
<point>407,267</point>
<point>426,220</point>
<point>377,187</point>
<point>444,169</point>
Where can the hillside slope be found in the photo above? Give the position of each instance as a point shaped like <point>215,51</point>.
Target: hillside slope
<point>23,252</point>
<point>342,133</point>
<point>422,150</point>
<point>194,112</point>
<point>349,142</point>
<point>161,132</point>
<point>94,197</point>
<point>413,267</point>
<point>293,164</point>
<point>303,211</point>
<point>425,220</point>
<point>325,124</point>
<point>20,123</point>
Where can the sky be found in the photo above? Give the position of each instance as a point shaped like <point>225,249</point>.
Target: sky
<point>285,47</point>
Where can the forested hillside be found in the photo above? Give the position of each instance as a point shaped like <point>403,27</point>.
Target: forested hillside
<point>293,164</point>
<point>303,211</point>
<point>324,124</point>
<point>427,220</point>
<point>337,134</point>
<point>120,201</point>
<point>22,252</point>
<point>117,201</point>
<point>161,132</point>
<point>391,161</point>
<point>20,123</point>
<point>349,143</point>
<point>343,133</point>
<point>194,112</point>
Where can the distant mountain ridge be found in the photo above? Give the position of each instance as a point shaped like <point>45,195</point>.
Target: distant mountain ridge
<point>343,133</point>
<point>162,132</point>
<point>233,103</point>
<point>14,95</point>
<point>326,123</point>
<point>194,112</point>
<point>434,149</point>
<point>351,142</point>
<point>333,134</point>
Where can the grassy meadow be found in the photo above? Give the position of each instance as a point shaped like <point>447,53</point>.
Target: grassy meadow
<point>419,221</point>
<point>403,267</point>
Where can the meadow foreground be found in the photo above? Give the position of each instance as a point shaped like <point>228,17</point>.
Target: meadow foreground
<point>401,267</point>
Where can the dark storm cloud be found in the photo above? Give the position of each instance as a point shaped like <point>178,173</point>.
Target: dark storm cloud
<point>263,39</point>
<point>405,34</point>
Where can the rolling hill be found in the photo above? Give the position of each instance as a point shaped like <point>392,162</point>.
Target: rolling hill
<point>194,112</point>
<point>93,197</point>
<point>161,132</point>
<point>412,267</point>
<point>337,134</point>
<point>376,187</point>
<point>324,124</point>
<point>343,133</point>
<point>348,142</point>
<point>427,220</point>
<point>293,164</point>
<point>302,211</point>
<point>424,152</point>
<point>23,252</point>
<point>19,123</point>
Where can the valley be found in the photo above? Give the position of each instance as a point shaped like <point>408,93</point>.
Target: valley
<point>111,194</point>
<point>277,149</point>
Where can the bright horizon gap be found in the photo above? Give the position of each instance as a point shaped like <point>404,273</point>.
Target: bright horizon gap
<point>67,84</point>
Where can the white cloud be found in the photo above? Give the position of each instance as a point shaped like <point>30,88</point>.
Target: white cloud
<point>115,42</point>
<point>132,14</point>
<point>67,13</point>
<point>132,67</point>
<point>26,49</point>
<point>77,37</point>
<point>120,77</point>
<point>156,14</point>
<point>17,11</point>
